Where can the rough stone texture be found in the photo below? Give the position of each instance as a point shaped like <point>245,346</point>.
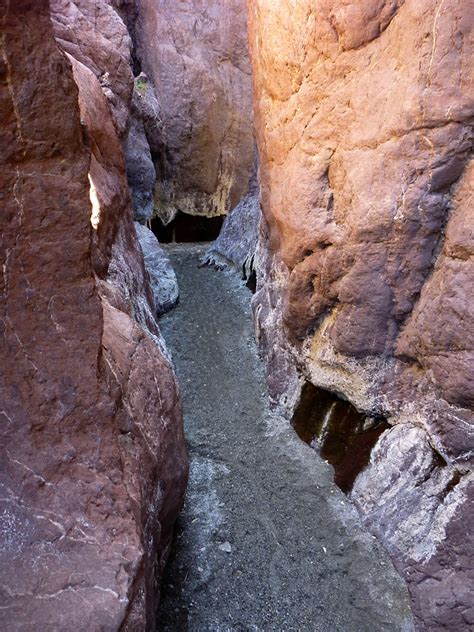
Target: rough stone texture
<point>93,461</point>
<point>412,513</point>
<point>141,172</point>
<point>195,54</point>
<point>163,281</point>
<point>237,241</point>
<point>440,332</point>
<point>94,33</point>
<point>266,541</point>
<point>364,125</point>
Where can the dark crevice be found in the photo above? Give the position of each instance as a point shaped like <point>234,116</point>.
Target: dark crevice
<point>249,274</point>
<point>174,576</point>
<point>330,204</point>
<point>251,282</point>
<point>187,228</point>
<point>455,480</point>
<point>128,11</point>
<point>343,435</point>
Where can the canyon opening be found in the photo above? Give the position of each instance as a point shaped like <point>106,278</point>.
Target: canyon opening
<point>237,315</point>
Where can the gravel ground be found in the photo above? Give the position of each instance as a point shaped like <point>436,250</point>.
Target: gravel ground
<point>266,541</point>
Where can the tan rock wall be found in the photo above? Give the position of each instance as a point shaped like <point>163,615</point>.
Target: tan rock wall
<point>364,125</point>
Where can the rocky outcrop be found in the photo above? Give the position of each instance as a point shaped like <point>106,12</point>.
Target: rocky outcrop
<point>93,32</point>
<point>163,281</point>
<point>364,126</point>
<point>93,458</point>
<point>195,54</point>
<point>237,241</point>
<point>141,172</point>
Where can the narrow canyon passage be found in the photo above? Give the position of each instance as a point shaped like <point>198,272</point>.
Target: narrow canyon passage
<point>266,541</point>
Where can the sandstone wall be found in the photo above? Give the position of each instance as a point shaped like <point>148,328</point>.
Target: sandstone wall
<point>364,125</point>
<point>93,462</point>
<point>195,54</point>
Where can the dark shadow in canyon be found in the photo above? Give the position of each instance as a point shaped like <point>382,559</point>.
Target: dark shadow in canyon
<point>186,228</point>
<point>343,435</point>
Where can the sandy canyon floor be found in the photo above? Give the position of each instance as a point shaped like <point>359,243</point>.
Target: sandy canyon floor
<point>266,541</point>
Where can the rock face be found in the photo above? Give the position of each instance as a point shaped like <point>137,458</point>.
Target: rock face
<point>364,125</point>
<point>93,458</point>
<point>140,138</point>
<point>195,54</point>
<point>163,281</point>
<point>93,33</point>
<point>237,241</point>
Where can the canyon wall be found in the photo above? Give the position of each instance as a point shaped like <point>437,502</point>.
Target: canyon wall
<point>366,269</point>
<point>194,57</point>
<point>93,458</point>
<point>94,33</point>
<point>177,79</point>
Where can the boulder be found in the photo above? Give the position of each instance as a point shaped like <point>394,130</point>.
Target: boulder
<point>163,281</point>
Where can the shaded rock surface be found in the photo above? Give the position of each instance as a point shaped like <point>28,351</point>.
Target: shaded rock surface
<point>195,54</point>
<point>93,459</point>
<point>163,282</point>
<point>144,137</point>
<point>364,127</point>
<point>237,241</point>
<point>266,540</point>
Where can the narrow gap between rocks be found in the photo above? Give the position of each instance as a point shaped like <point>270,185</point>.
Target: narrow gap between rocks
<point>250,281</point>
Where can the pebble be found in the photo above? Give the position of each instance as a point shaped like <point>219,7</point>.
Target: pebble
<point>226,547</point>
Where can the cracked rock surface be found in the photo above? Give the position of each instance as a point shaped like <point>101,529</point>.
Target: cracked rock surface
<point>266,541</point>
<point>92,459</point>
<point>196,55</point>
<point>163,282</point>
<point>366,256</point>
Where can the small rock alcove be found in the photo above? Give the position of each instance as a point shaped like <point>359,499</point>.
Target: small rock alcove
<point>186,228</point>
<point>343,435</point>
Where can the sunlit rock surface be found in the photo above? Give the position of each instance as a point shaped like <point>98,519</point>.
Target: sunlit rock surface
<point>93,459</point>
<point>364,126</point>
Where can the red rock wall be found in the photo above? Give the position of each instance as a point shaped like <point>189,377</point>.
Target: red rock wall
<point>364,125</point>
<point>93,458</point>
<point>93,33</point>
<point>195,53</point>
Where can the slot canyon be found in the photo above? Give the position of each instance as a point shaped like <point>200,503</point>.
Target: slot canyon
<point>237,315</point>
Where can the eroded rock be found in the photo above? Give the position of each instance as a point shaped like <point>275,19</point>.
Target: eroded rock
<point>196,56</point>
<point>237,240</point>
<point>422,509</point>
<point>93,457</point>
<point>93,32</point>
<point>163,281</point>
<point>364,125</point>
<point>141,172</point>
